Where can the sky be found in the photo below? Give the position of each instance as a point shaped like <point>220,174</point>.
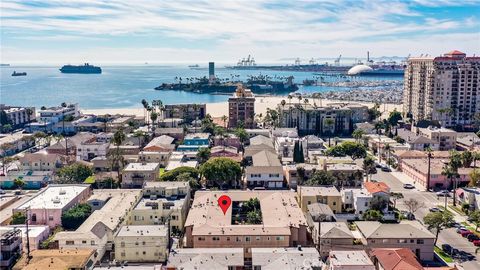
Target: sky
<point>164,31</point>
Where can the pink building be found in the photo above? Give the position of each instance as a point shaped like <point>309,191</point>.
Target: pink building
<point>417,169</point>
<point>227,140</point>
<point>47,206</point>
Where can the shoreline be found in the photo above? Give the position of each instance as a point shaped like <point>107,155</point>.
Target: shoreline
<point>219,109</point>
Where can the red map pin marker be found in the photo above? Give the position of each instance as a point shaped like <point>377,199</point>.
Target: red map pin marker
<point>224,202</point>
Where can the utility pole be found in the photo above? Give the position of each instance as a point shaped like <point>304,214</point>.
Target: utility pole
<point>28,238</point>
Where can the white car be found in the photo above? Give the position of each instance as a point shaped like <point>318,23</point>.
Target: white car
<point>443,193</point>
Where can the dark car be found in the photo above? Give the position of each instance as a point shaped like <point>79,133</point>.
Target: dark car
<point>472,237</point>
<point>386,169</point>
<point>447,248</point>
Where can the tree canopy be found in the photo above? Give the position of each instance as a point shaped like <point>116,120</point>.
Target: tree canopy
<point>321,178</point>
<point>75,173</point>
<point>75,216</point>
<point>372,215</point>
<point>394,117</point>
<point>203,155</point>
<point>173,174</point>
<point>353,149</point>
<point>438,221</point>
<point>220,171</point>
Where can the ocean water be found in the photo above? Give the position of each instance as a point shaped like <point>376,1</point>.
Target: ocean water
<point>124,86</point>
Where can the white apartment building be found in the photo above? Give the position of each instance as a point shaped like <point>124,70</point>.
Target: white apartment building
<point>357,199</point>
<point>56,114</point>
<point>90,149</point>
<point>136,174</point>
<point>444,137</point>
<point>142,243</point>
<point>444,88</point>
<point>19,115</point>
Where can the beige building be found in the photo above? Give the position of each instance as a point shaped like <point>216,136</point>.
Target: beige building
<point>57,259</point>
<point>241,107</point>
<point>333,236</point>
<point>136,174</point>
<point>326,195</point>
<point>444,88</point>
<point>444,137</point>
<point>282,222</point>
<point>206,258</point>
<point>156,157</point>
<point>349,260</point>
<point>163,202</point>
<point>406,234</point>
<point>142,243</point>
<point>285,258</point>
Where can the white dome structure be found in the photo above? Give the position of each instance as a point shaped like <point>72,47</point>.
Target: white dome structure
<point>358,69</point>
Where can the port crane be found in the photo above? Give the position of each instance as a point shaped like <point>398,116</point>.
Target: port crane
<point>337,61</point>
<point>312,61</point>
<point>297,62</point>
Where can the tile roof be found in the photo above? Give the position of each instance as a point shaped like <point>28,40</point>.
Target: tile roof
<point>53,259</point>
<point>396,258</point>
<point>334,230</point>
<point>375,187</point>
<point>405,229</point>
<point>261,140</point>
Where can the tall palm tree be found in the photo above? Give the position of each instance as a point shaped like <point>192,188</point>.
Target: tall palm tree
<point>358,134</point>
<point>429,157</point>
<point>290,110</point>
<point>153,117</point>
<point>118,139</point>
<point>144,104</point>
<point>451,173</point>
<point>329,122</point>
<point>224,119</point>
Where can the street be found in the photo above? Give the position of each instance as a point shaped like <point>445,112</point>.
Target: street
<point>430,200</point>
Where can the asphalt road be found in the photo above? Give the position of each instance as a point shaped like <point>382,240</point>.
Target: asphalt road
<point>430,200</point>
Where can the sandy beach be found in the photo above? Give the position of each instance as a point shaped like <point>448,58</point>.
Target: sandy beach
<point>261,105</point>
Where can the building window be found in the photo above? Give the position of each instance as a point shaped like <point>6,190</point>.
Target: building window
<point>122,254</point>
<point>216,238</point>
<point>257,238</point>
<point>279,238</point>
<point>402,241</point>
<point>201,238</point>
<point>247,238</point>
<point>334,203</point>
<point>122,244</point>
<point>70,243</point>
<point>144,253</point>
<point>228,238</point>
<point>238,239</point>
<point>136,243</point>
<point>420,241</point>
<point>84,241</point>
<point>50,217</point>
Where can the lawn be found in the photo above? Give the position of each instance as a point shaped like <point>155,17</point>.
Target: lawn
<point>161,171</point>
<point>443,255</point>
<point>443,208</point>
<point>458,211</point>
<point>90,180</point>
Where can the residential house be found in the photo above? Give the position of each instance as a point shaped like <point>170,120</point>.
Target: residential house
<point>176,133</point>
<point>395,259</point>
<point>10,247</point>
<point>356,199</point>
<point>47,206</point>
<point>206,258</point>
<point>41,161</point>
<point>406,234</point>
<point>68,145</point>
<point>415,141</point>
<point>380,189</point>
<point>194,141</point>
<point>187,112</point>
<point>17,141</point>
<point>134,175</point>
<point>319,212</point>
<point>182,159</point>
<point>468,141</point>
<point>142,243</point>
<point>349,260</point>
<point>163,143</point>
<point>296,174</point>
<point>285,143</point>
<point>92,148</point>
<point>266,171</point>
<point>36,234</point>
<point>32,179</point>
<point>230,140</point>
<point>227,152</point>
<point>333,236</point>
<point>161,158</point>
<point>323,194</point>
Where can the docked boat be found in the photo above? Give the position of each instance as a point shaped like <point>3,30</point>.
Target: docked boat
<point>82,69</point>
<point>19,73</point>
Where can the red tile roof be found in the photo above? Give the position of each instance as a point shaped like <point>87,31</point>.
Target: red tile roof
<point>455,52</point>
<point>375,187</point>
<point>396,258</point>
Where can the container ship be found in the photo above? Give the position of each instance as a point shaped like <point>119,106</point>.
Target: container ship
<point>19,73</point>
<point>82,69</point>
<point>382,69</point>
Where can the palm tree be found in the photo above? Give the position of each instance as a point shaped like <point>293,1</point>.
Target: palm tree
<point>224,119</point>
<point>139,135</point>
<point>451,173</point>
<point>153,117</point>
<point>358,134</point>
<point>290,109</point>
<point>117,140</point>
<point>329,122</point>
<point>5,148</point>
<point>145,106</point>
<point>429,156</point>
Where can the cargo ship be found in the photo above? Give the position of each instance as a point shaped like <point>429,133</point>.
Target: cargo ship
<point>82,69</point>
<point>377,70</point>
<point>19,73</point>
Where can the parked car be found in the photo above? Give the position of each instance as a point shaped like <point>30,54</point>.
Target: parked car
<point>435,209</point>
<point>443,193</point>
<point>378,165</point>
<point>476,243</point>
<point>2,191</point>
<point>408,186</point>
<point>472,237</point>
<point>466,233</point>
<point>447,248</point>
<point>386,169</point>
<point>461,229</point>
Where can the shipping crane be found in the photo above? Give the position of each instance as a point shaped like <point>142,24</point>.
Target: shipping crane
<point>337,61</point>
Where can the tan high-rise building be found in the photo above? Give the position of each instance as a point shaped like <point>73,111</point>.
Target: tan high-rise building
<point>241,107</point>
<point>445,88</point>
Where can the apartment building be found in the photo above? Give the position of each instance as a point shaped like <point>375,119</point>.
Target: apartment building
<point>19,116</point>
<point>282,221</point>
<point>92,148</point>
<point>194,141</point>
<point>444,137</point>
<point>18,142</point>
<point>10,247</point>
<point>41,161</point>
<point>356,199</point>
<point>48,117</point>
<point>349,260</point>
<point>134,175</point>
<point>57,259</point>
<point>46,206</point>
<point>32,179</point>
<point>333,236</point>
<point>406,234</point>
<point>444,88</point>
<point>266,171</point>
<point>326,195</point>
<point>36,234</point>
<point>163,203</point>
<point>206,258</point>
<point>241,108</point>
<point>333,119</point>
<point>285,258</point>
<point>187,112</point>
<point>142,243</point>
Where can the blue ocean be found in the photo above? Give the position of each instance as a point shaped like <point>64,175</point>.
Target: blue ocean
<point>126,86</point>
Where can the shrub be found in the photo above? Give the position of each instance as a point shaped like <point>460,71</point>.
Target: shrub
<point>75,216</point>
<point>173,174</point>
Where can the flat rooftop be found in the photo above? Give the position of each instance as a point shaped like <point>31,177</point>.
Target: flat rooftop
<point>192,136</point>
<point>318,191</point>
<point>33,230</point>
<point>143,230</point>
<point>147,204</point>
<point>280,212</point>
<point>206,258</point>
<point>285,258</point>
<point>135,167</point>
<point>54,197</point>
<point>351,258</point>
